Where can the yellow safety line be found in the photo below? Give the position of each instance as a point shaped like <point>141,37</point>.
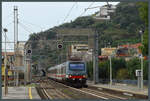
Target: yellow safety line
<point>30,94</point>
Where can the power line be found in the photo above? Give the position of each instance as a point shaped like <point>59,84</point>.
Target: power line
<point>69,11</point>
<point>25,28</point>
<point>86,10</point>
<point>8,16</point>
<point>8,24</point>
<point>29,23</point>
<point>7,39</point>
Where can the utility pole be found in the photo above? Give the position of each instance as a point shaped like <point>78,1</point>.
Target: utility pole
<point>25,68</point>
<point>141,71</point>
<point>30,63</point>
<point>141,33</point>
<point>16,39</point>
<point>95,62</point>
<point>110,71</point>
<point>5,65</point>
<point>15,25</point>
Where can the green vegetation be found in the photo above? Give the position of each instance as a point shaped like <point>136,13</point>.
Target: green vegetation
<point>144,16</point>
<point>123,28</point>
<point>121,69</point>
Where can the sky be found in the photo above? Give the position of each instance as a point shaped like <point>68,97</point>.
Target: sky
<point>40,16</point>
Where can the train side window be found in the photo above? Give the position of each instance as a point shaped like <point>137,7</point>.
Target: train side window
<point>62,70</point>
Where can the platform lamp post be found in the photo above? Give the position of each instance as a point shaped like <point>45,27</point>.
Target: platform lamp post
<point>5,65</point>
<point>110,57</point>
<point>141,33</point>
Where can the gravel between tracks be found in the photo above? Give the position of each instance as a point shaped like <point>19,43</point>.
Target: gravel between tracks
<point>57,90</point>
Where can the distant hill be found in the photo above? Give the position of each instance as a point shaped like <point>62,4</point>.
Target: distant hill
<point>123,28</point>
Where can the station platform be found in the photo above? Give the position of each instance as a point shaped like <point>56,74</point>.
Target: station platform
<point>20,93</point>
<point>130,90</point>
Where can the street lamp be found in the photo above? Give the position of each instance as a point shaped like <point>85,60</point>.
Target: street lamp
<point>110,71</point>
<point>5,64</point>
<point>109,44</point>
<point>141,33</point>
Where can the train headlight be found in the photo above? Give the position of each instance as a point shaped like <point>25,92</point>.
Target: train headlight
<point>84,76</point>
<point>70,76</point>
<point>67,76</point>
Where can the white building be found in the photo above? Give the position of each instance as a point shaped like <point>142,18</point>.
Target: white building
<point>80,51</point>
<point>104,12</point>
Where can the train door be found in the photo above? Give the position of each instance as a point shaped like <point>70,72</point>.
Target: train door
<point>57,72</point>
<point>60,77</point>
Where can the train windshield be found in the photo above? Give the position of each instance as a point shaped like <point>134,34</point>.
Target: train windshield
<point>77,66</point>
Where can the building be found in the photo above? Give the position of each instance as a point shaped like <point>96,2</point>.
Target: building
<point>105,11</point>
<point>81,51</point>
<point>129,50</point>
<point>27,62</point>
<point>19,68</point>
<point>106,52</point>
<point>19,54</point>
<point>10,64</point>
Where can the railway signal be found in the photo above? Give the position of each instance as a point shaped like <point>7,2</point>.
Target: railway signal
<point>29,51</point>
<point>59,46</point>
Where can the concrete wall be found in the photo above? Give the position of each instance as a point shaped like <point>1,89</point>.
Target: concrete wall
<point>132,82</point>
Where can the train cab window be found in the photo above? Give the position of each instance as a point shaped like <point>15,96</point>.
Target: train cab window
<point>77,66</point>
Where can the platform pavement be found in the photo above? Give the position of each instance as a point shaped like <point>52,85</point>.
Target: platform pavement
<point>122,88</point>
<point>20,93</point>
<point>34,93</point>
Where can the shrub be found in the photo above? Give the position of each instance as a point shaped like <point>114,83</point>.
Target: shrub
<point>122,74</point>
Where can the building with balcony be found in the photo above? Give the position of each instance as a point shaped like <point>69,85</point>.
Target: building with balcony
<point>81,51</point>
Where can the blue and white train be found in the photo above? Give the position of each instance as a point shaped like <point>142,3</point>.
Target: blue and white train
<point>70,72</point>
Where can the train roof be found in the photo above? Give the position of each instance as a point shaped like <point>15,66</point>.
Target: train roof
<point>58,66</point>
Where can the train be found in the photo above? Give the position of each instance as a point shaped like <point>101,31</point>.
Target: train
<point>70,72</point>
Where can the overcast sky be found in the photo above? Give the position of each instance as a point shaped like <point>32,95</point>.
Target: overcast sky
<point>39,16</point>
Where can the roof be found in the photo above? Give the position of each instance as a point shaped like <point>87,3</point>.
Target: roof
<point>8,53</point>
<point>131,45</point>
<point>102,56</point>
<point>113,48</point>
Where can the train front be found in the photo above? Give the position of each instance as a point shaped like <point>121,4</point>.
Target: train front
<point>76,73</point>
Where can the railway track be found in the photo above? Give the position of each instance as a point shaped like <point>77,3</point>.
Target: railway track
<point>49,89</point>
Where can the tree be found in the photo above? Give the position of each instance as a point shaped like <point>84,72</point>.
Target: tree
<point>143,11</point>
<point>90,69</point>
<point>122,74</point>
<point>104,70</point>
<point>117,64</point>
<point>132,65</point>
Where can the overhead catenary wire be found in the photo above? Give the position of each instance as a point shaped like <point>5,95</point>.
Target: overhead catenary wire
<point>25,28</point>
<point>86,10</point>
<point>8,16</point>
<point>29,23</point>
<point>73,7</point>
<point>9,24</point>
<point>10,46</point>
<point>69,11</point>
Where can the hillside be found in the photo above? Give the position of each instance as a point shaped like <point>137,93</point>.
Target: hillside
<point>123,28</point>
